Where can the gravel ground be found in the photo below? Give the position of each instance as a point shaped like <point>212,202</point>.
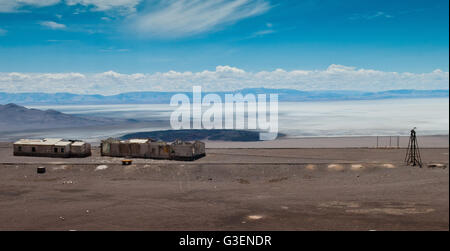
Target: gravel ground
<point>230,189</point>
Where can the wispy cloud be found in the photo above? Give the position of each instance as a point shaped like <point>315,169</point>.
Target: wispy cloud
<point>370,16</point>
<point>53,25</point>
<point>60,40</point>
<point>224,78</point>
<point>156,18</point>
<point>105,5</point>
<point>113,49</point>
<point>15,5</point>
<point>268,30</point>
<point>183,18</point>
<point>263,32</point>
<point>3,32</point>
<point>97,5</point>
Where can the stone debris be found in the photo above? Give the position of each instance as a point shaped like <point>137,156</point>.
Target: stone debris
<point>102,167</point>
<point>435,165</point>
<point>336,167</point>
<point>389,166</point>
<point>356,167</point>
<point>255,217</point>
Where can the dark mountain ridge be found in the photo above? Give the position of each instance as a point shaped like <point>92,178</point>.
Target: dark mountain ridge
<point>15,118</point>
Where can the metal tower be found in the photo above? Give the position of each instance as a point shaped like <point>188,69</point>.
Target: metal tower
<point>413,153</point>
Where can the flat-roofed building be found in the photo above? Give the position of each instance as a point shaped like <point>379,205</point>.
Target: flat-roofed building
<point>150,149</point>
<point>182,150</point>
<point>52,148</point>
<point>80,149</point>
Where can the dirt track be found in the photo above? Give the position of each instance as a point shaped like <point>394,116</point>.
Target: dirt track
<point>235,189</point>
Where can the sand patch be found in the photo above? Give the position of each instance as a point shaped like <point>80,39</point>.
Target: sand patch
<point>255,217</point>
<point>436,165</point>
<point>389,166</point>
<point>57,163</point>
<point>339,204</point>
<point>311,167</point>
<point>101,168</point>
<point>59,168</point>
<point>336,167</point>
<point>356,167</point>
<point>391,211</point>
<point>356,208</point>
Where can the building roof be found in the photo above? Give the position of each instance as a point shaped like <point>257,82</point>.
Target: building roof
<point>63,143</point>
<point>48,142</point>
<point>137,141</point>
<point>78,143</point>
<point>42,142</point>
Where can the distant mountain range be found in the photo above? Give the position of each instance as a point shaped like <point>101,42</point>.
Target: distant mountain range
<point>285,95</point>
<point>16,118</point>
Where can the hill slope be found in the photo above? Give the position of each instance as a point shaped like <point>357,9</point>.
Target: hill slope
<point>15,118</point>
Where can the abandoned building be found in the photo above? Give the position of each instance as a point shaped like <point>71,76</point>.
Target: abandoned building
<point>52,148</point>
<point>150,149</point>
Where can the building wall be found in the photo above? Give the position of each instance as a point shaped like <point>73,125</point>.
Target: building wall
<point>49,151</point>
<point>164,151</point>
<point>153,150</point>
<point>200,149</point>
<point>41,150</point>
<point>183,151</point>
<point>115,150</point>
<point>138,150</point>
<point>80,151</point>
<point>105,148</point>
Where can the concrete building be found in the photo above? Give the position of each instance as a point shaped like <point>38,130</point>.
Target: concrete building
<point>182,150</point>
<point>52,148</point>
<point>150,149</point>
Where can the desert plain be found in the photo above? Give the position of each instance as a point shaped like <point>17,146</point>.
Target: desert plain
<point>232,188</point>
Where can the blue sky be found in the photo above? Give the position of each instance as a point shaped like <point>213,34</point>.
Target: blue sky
<point>310,34</point>
<point>150,36</point>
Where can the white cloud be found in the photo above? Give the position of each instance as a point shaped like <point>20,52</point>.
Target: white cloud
<point>378,14</point>
<point>159,18</point>
<point>103,5</point>
<point>181,18</point>
<point>14,5</point>
<point>99,5</point>
<point>229,69</point>
<point>224,78</point>
<point>53,25</point>
<point>262,33</point>
<point>112,49</point>
<point>3,32</point>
